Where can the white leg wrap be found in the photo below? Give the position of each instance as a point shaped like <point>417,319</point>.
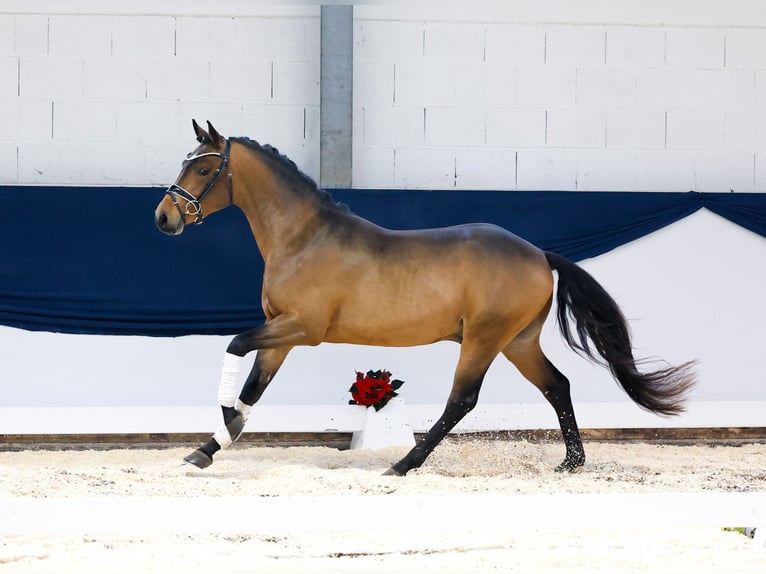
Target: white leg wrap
<point>229,386</point>
<point>222,436</point>
<point>243,408</point>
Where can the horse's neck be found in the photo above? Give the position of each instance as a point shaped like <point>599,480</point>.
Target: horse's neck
<point>277,215</point>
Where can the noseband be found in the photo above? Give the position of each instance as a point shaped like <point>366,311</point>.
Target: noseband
<point>193,204</point>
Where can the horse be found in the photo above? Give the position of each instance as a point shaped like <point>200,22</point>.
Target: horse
<point>478,285</point>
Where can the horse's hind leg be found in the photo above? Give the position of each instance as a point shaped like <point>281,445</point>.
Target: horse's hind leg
<point>472,367</point>
<point>530,360</point>
<point>266,365</point>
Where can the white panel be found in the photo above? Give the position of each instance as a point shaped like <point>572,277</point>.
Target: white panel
<point>418,83</point>
<point>135,36</point>
<point>547,170</point>
<point>746,129</point>
<point>9,120</point>
<point>635,46</point>
<point>635,129</point>
<point>84,121</point>
<point>80,36</point>
<point>577,127</point>
<point>695,48</point>
<point>9,72</point>
<point>48,162</point>
<point>746,48</point>
<point>373,83</point>
<point>118,79</point>
<point>296,82</point>
<point>695,129</point>
<point>724,171</point>
<point>7,35</point>
<point>31,35</point>
<point>575,45</point>
<point>389,125</point>
<point>391,41</point>
<point>240,81</point>
<point>205,38</point>
<point>50,77</point>
<point>485,169</point>
<point>454,42</point>
<point>509,44</point>
<point>424,168</point>
<point>517,127</point>
<point>485,84</point>
<point>373,167</point>
<point>664,170</point>
<point>149,122</point>
<point>178,79</point>
<point>720,89</point>
<point>454,126</point>
<point>606,86</point>
<point>35,120</point>
<point>549,85</point>
<point>613,170</point>
<point>8,163</point>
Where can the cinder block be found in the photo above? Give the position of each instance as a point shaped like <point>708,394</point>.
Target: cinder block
<point>760,172</point>
<point>373,166</point>
<point>547,169</point>
<point>151,122</point>
<point>48,163</point>
<point>575,45</point>
<point>760,88</point>
<point>7,35</point>
<point>576,127</point>
<point>116,78</point>
<point>50,77</point>
<point>227,117</point>
<point>278,125</point>
<point>35,120</point>
<point>84,121</point>
<point>512,44</point>
<point>9,173</point>
<point>515,127</point>
<point>664,170</point>
<point>80,35</point>
<point>373,83</point>
<point>746,48</point>
<point>387,40</point>
<point>162,163</point>
<point>746,130</point>
<point>546,86</point>
<point>296,83</point>
<point>112,163</point>
<point>9,72</point>
<point>9,120</point>
<point>454,42</point>
<point>606,86</point>
<point>664,87</point>
<point>31,35</point>
<point>635,129</point>
<point>454,126</point>
<point>606,170</point>
<point>695,48</point>
<point>393,125</point>
<point>485,85</point>
<point>136,36</point>
<point>241,81</point>
<point>488,168</point>
<point>695,130</point>
<point>178,79</point>
<point>424,84</point>
<point>277,39</point>
<point>724,171</point>
<point>206,38</point>
<point>424,168</point>
<point>635,46</point>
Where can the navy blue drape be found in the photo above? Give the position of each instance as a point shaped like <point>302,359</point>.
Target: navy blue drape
<point>89,260</point>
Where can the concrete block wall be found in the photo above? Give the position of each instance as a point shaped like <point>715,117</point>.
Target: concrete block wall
<point>107,98</point>
<point>639,96</point>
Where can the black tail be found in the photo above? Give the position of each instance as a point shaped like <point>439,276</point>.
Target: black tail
<point>598,320</point>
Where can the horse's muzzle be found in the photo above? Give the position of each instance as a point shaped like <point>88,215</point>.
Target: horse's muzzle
<point>168,223</point>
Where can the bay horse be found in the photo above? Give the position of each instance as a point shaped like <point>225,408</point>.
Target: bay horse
<point>477,285</point>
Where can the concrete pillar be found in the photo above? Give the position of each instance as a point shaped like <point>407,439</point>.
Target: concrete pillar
<point>336,98</point>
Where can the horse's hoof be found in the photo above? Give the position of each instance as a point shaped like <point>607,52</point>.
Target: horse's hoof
<point>392,472</point>
<point>199,459</point>
<point>570,465</point>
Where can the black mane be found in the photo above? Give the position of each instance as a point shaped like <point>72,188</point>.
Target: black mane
<point>288,169</point>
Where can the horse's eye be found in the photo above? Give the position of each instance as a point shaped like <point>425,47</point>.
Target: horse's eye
<point>203,171</point>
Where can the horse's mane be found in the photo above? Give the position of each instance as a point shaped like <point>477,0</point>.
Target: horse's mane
<point>291,171</point>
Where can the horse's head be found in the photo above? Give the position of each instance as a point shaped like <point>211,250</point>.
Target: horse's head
<point>199,189</point>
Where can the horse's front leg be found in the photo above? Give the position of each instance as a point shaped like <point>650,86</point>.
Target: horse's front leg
<point>274,340</point>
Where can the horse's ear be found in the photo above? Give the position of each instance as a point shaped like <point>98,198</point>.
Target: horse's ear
<point>202,135</point>
<point>215,137</point>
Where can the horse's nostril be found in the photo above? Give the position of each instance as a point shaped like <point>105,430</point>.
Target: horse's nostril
<point>162,220</point>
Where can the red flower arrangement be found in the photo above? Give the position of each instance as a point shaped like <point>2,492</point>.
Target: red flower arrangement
<point>374,389</point>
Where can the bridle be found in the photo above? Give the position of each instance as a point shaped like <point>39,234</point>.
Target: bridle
<point>193,204</point>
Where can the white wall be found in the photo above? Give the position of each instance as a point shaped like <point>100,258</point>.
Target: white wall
<point>107,99</point>
<point>585,95</point>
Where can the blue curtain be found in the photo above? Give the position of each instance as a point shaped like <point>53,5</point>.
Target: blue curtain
<point>90,260</point>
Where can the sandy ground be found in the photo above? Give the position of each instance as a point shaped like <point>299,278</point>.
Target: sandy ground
<point>475,467</point>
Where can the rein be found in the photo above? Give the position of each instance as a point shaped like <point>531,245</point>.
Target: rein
<point>193,204</point>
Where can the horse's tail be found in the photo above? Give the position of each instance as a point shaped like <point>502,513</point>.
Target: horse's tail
<point>598,320</point>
